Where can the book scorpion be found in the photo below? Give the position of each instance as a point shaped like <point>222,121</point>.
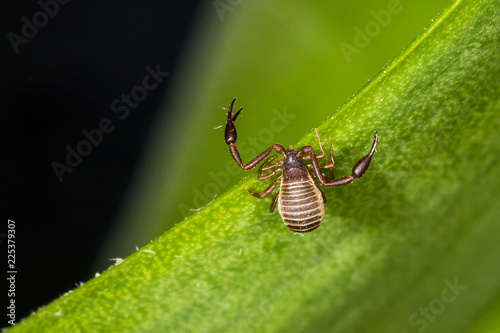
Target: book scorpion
<point>300,201</point>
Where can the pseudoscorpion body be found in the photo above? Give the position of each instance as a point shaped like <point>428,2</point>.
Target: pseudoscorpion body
<point>300,201</point>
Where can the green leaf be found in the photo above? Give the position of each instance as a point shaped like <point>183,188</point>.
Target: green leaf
<point>411,246</point>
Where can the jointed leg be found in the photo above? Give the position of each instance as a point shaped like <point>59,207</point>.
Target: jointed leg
<point>320,145</point>
<point>273,203</point>
<point>320,148</point>
<point>328,166</point>
<point>269,175</point>
<point>357,172</point>
<point>230,137</point>
<point>266,192</point>
<point>264,167</point>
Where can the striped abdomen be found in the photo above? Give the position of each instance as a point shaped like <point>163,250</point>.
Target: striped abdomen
<point>300,204</point>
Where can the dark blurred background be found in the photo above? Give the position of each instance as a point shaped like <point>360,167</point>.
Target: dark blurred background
<point>62,81</point>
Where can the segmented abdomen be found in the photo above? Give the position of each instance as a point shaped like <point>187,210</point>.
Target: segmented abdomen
<point>301,205</point>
